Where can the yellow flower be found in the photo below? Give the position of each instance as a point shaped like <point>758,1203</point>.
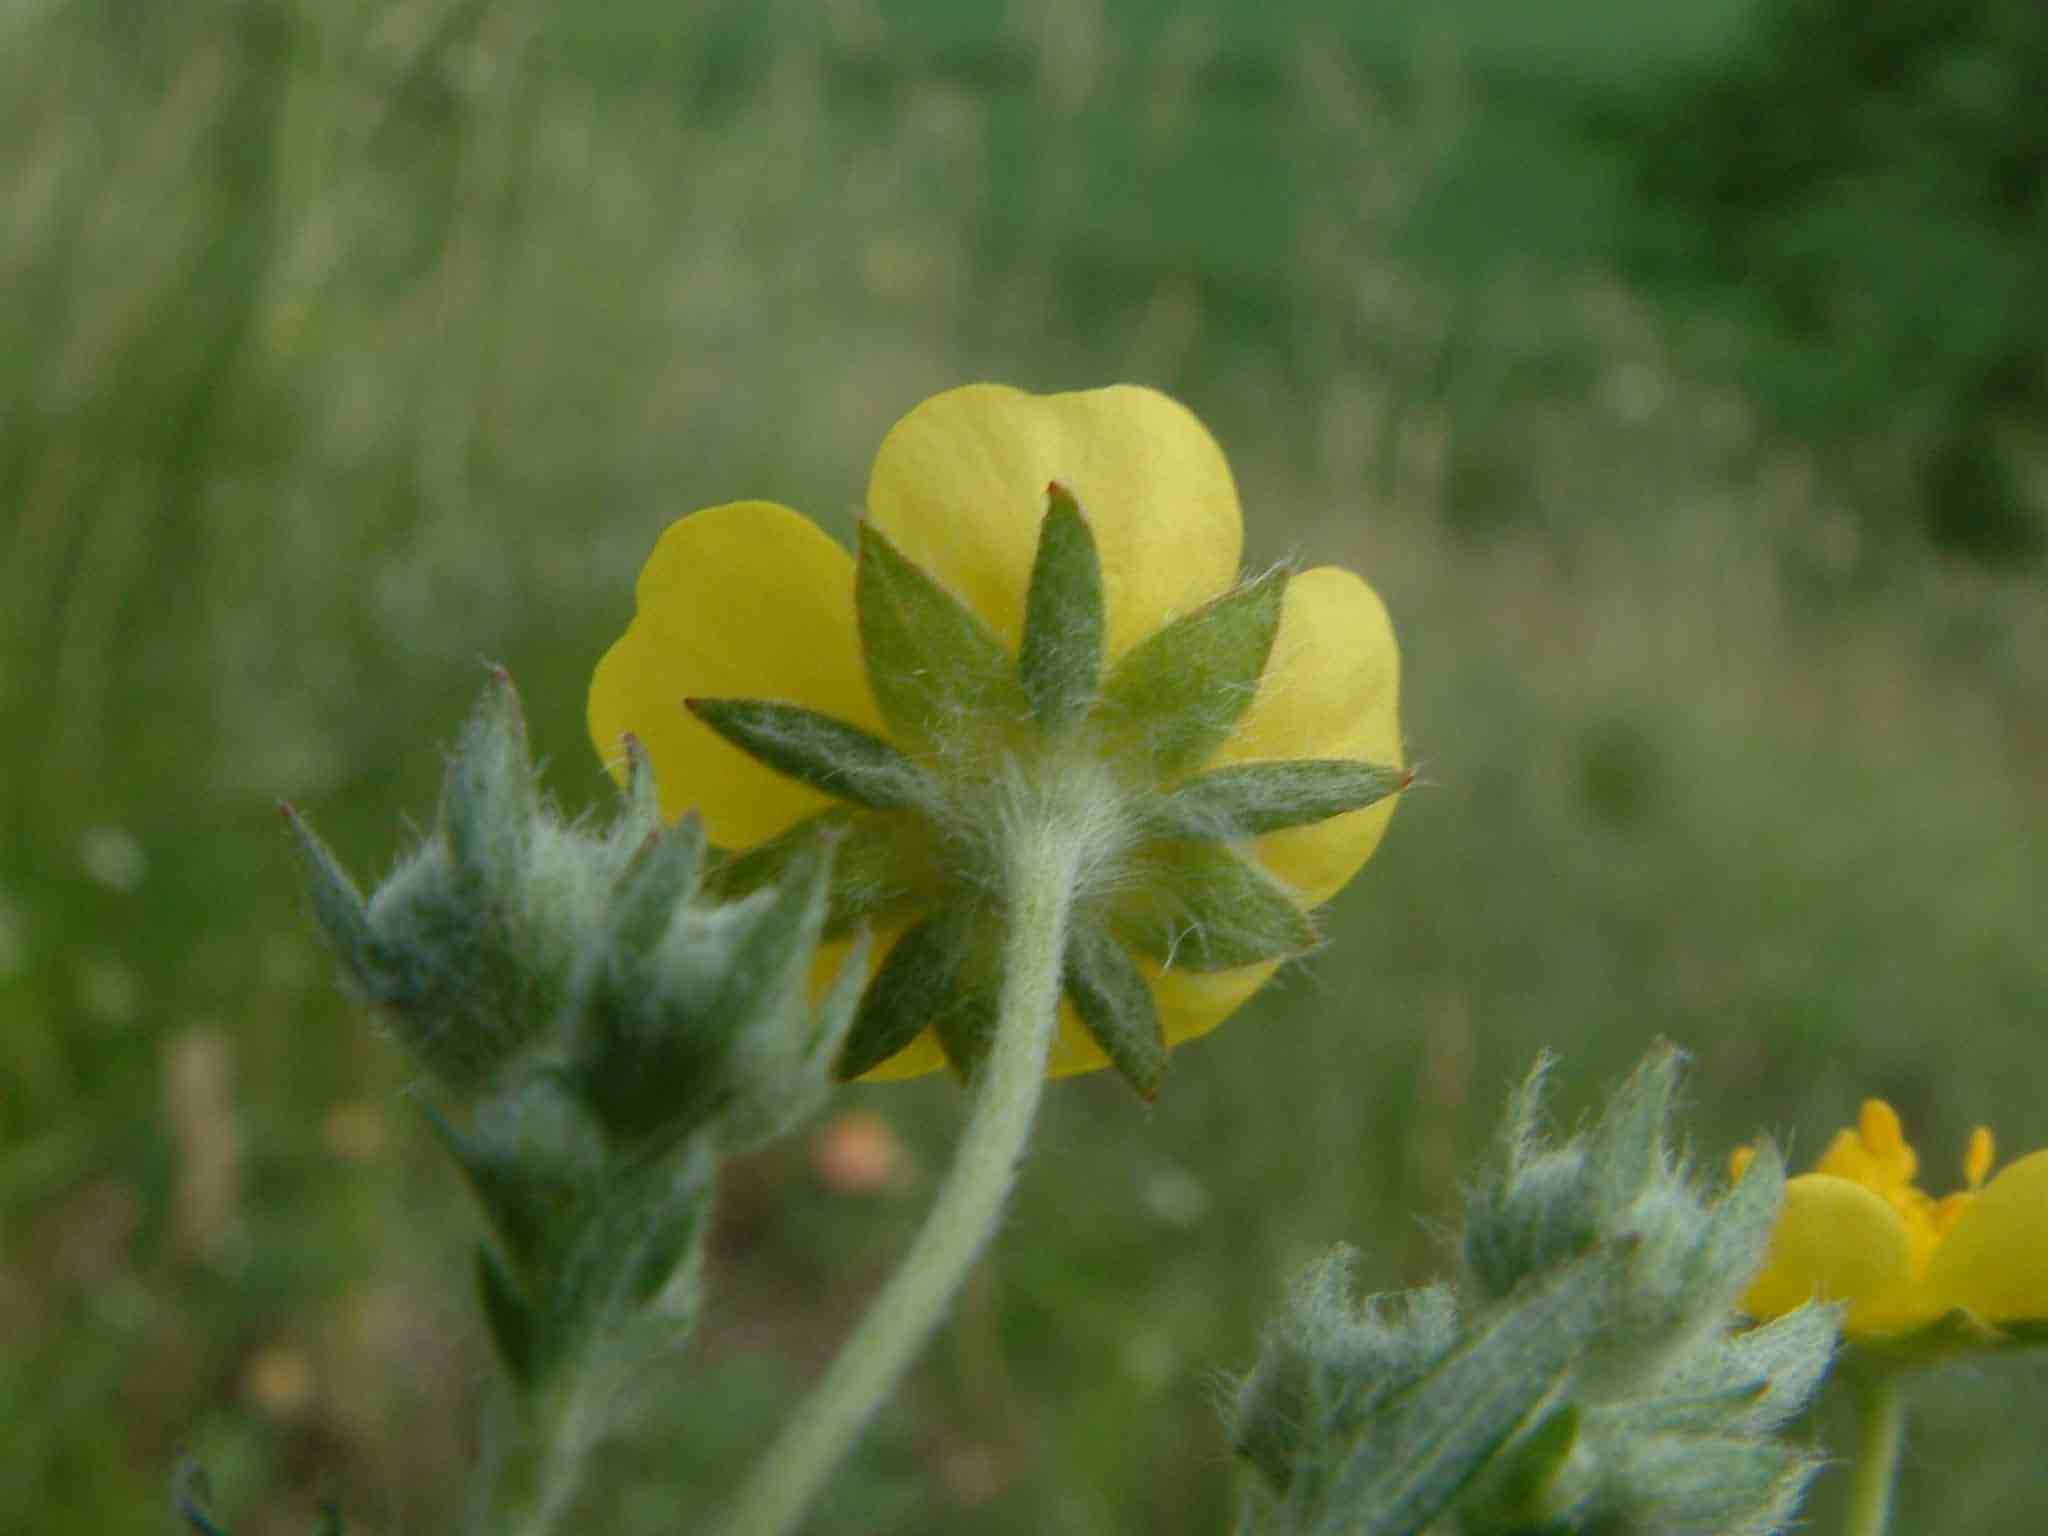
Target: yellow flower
<point>749,601</point>
<point>1859,1231</point>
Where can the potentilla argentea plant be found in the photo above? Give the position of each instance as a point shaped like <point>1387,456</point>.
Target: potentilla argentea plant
<point>1037,781</point>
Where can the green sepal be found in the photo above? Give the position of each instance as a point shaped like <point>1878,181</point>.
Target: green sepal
<point>829,755</point>
<point>661,876</point>
<point>1737,1235</point>
<point>1625,1150</point>
<point>835,1010</point>
<point>1255,798</point>
<point>1283,1414</point>
<point>645,1222</point>
<point>514,1327</point>
<point>966,1027</point>
<point>529,1178</point>
<point>639,815</point>
<point>782,1049</point>
<point>658,1254</point>
<point>772,962</point>
<point>1180,693</point>
<point>647,1056</point>
<point>1526,1469</point>
<point>489,804</point>
<point>1060,660</point>
<point>1762,1375</point>
<point>1703,1483</point>
<point>1707,1414</point>
<point>614,1244</point>
<point>914,984</point>
<point>1201,907</point>
<point>339,909</point>
<point>707,1019</point>
<point>1116,1007</point>
<point>1418,1449</point>
<point>881,866</point>
<point>930,658</point>
<point>469,941</point>
<point>1530,1209</point>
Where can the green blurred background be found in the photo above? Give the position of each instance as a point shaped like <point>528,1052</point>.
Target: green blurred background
<point>1676,372</point>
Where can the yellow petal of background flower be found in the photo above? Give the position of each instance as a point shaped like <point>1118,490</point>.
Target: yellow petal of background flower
<point>959,486</point>
<point>747,600</point>
<point>1835,1241</point>
<point>1995,1259</point>
<point>1331,689</point>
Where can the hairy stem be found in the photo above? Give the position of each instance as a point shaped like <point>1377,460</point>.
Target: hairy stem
<point>1007,1086</point>
<point>1880,1430</point>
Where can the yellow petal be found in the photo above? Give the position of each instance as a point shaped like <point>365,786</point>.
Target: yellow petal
<point>1331,689</point>
<point>1835,1241</point>
<point>747,600</point>
<point>959,486</point>
<point>1995,1259</point>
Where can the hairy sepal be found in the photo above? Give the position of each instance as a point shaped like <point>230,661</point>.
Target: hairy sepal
<point>1116,1007</point>
<point>829,755</point>
<point>1203,907</point>
<point>930,658</point>
<point>1060,660</point>
<point>1177,696</point>
<point>1251,799</point>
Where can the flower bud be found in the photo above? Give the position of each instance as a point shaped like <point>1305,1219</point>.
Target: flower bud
<point>606,1025</point>
<point>1595,1379</point>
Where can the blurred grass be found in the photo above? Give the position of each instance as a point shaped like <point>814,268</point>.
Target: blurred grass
<point>349,345</point>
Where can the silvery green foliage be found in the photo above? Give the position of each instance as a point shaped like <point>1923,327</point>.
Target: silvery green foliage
<point>600,1029</point>
<point>1588,1375</point>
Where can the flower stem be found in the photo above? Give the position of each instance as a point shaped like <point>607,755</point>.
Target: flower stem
<point>1880,1430</point>
<point>1007,1086</point>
